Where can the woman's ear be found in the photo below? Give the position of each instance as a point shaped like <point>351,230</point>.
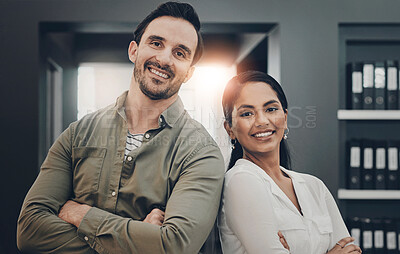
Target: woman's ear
<point>228,129</point>
<point>286,114</point>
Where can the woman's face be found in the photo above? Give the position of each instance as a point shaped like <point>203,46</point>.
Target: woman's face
<point>258,119</point>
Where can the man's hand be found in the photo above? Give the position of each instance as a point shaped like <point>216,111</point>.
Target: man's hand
<point>73,212</point>
<point>156,217</point>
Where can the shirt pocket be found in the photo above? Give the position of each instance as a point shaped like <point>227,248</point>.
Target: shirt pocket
<point>325,229</point>
<point>294,230</point>
<point>87,165</point>
<point>324,224</point>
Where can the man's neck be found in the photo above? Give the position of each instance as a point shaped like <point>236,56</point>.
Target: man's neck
<point>142,113</point>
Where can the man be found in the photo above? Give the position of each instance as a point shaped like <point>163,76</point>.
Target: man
<point>139,176</point>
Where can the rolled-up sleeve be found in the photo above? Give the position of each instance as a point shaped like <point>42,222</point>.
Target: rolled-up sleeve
<point>39,230</point>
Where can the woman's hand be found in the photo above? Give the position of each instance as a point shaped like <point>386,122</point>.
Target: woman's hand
<point>341,248</point>
<point>283,240</point>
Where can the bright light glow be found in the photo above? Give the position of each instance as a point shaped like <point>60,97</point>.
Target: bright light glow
<point>99,85</point>
<point>202,97</point>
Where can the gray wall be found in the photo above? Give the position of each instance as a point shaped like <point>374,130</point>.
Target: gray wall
<point>309,74</point>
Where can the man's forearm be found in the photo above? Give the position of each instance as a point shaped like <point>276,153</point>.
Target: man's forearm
<point>189,216</point>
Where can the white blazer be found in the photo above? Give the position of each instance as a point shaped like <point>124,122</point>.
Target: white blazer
<point>254,209</point>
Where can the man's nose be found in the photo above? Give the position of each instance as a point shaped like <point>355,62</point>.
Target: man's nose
<point>164,57</point>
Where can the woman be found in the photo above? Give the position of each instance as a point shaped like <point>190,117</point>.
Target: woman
<point>261,196</point>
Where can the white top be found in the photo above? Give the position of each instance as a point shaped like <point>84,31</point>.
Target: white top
<point>254,209</point>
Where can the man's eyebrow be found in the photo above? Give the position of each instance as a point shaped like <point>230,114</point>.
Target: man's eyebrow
<point>251,106</point>
<point>185,49</point>
<point>155,37</point>
<point>159,38</point>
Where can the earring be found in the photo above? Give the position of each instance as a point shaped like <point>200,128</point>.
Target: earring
<point>285,134</point>
<point>233,142</point>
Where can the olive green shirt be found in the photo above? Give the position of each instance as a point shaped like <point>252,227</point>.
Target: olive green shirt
<point>178,167</point>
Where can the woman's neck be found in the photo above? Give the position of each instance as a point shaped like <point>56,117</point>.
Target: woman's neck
<point>269,162</point>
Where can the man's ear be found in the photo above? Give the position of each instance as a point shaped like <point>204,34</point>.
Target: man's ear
<point>229,130</point>
<point>132,51</point>
<point>189,74</point>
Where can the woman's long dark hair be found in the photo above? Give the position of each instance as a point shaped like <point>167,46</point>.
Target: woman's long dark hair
<point>231,93</point>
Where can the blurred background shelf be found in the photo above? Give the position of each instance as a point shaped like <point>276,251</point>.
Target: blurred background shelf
<point>343,114</point>
<point>369,194</point>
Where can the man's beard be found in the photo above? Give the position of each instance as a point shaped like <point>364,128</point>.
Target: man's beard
<point>156,94</point>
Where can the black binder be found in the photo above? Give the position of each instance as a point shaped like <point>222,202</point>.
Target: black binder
<point>380,85</point>
<point>367,244</point>
<point>380,165</point>
<point>354,164</point>
<point>356,88</point>
<point>392,84</point>
<point>367,169</point>
<point>368,86</point>
<point>390,236</point>
<point>393,174</point>
<point>354,226</point>
<point>379,236</point>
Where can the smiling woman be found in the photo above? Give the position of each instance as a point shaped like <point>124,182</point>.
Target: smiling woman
<point>284,210</point>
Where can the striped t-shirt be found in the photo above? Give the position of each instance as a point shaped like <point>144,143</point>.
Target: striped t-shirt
<point>133,141</point>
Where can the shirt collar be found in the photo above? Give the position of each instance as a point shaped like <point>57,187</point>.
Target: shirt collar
<point>170,115</point>
<point>173,112</point>
<point>274,187</point>
<point>293,175</point>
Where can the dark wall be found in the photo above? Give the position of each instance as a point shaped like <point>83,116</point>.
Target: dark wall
<point>309,74</point>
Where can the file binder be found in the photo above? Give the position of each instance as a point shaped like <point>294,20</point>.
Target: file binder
<point>368,86</point>
<point>367,171</point>
<point>390,236</point>
<point>392,74</point>
<point>393,165</point>
<point>380,85</point>
<point>380,165</point>
<point>379,237</point>
<point>367,245</point>
<point>354,225</point>
<point>354,164</point>
<point>356,85</point>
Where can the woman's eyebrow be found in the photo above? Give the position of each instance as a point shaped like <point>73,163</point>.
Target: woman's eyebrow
<point>251,106</point>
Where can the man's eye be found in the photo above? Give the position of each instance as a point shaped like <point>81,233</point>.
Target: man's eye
<point>180,54</point>
<point>271,109</point>
<point>156,43</point>
<point>245,114</point>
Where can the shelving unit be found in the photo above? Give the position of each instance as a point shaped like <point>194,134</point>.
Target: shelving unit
<point>362,43</point>
<point>369,194</point>
<point>344,114</point>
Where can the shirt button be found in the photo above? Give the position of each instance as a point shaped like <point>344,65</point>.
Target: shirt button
<point>129,158</point>
<point>147,135</point>
<point>86,238</point>
<point>113,193</point>
<point>160,119</point>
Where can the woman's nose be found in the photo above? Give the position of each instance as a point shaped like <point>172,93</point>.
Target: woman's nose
<point>261,119</point>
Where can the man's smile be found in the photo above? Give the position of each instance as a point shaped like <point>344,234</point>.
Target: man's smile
<point>158,73</point>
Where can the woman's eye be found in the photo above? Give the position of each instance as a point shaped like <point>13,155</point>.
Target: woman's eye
<point>245,114</point>
<point>272,109</point>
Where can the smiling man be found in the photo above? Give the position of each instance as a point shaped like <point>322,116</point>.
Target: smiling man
<point>155,185</point>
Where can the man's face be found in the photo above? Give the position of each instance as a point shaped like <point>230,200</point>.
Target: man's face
<point>164,56</point>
